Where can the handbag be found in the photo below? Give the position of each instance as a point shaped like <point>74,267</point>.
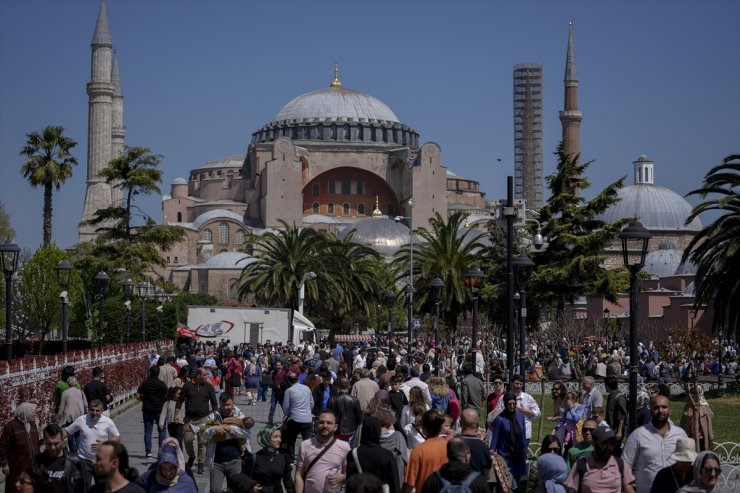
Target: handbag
<point>386,487</point>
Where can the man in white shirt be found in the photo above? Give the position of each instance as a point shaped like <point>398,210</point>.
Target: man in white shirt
<point>649,447</point>
<point>359,362</point>
<point>525,404</point>
<point>415,381</point>
<point>94,428</point>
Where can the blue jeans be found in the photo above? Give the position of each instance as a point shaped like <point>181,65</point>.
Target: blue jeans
<point>151,420</point>
<point>273,402</point>
<point>262,392</point>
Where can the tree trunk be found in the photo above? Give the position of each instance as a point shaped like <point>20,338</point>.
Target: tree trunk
<point>47,214</point>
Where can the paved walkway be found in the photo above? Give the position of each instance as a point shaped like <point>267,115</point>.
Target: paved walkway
<point>131,426</point>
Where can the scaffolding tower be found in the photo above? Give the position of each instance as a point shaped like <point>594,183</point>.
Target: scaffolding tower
<point>529,180</point>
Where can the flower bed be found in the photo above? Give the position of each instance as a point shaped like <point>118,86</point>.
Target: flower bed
<point>32,379</point>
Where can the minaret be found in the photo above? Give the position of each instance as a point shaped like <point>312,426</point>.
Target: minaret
<point>100,91</point>
<point>570,117</point>
<point>118,130</point>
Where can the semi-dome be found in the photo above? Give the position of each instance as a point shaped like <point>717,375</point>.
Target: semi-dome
<point>229,260</point>
<point>657,208</point>
<point>334,104</point>
<point>663,263</point>
<point>382,234</point>
<point>215,214</point>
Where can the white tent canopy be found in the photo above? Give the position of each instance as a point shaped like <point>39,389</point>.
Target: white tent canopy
<point>301,322</point>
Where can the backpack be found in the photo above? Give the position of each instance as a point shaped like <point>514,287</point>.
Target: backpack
<point>464,487</point>
<point>454,408</point>
<point>581,469</point>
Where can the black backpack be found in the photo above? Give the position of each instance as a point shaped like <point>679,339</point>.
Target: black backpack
<point>464,487</point>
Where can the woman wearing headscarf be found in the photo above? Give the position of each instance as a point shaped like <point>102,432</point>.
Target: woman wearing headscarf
<point>706,474</point>
<point>371,458</point>
<point>508,437</point>
<point>19,443</point>
<point>169,472</point>
<point>271,466</point>
<point>704,431</point>
<point>552,472</point>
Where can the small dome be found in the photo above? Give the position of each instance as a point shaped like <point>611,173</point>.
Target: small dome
<point>383,235</point>
<point>179,181</point>
<point>335,103</point>
<point>229,260</point>
<point>663,263</point>
<point>687,268</point>
<point>657,208</point>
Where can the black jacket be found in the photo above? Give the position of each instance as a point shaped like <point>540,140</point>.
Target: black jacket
<point>72,470</point>
<point>318,398</point>
<point>374,459</point>
<point>153,394</point>
<point>199,399</point>
<point>348,411</point>
<point>455,473</point>
<point>268,471</point>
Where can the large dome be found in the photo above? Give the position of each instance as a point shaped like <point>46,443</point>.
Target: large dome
<point>383,235</point>
<point>336,104</point>
<point>657,208</point>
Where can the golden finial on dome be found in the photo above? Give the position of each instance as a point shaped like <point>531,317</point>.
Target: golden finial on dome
<point>377,212</point>
<point>336,82</point>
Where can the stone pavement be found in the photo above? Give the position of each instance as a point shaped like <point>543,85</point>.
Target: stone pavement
<point>131,427</point>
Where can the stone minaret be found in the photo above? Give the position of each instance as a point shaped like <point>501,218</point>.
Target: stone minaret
<point>101,92</point>
<point>118,133</point>
<point>570,117</point>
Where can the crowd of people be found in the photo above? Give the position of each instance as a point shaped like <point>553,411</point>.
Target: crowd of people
<point>409,420</point>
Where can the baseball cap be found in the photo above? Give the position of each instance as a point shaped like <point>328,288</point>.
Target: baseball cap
<point>603,433</point>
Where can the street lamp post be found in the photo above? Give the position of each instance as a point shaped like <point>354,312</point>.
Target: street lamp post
<point>523,265</point>
<point>302,289</point>
<point>102,282</point>
<point>161,296</point>
<point>128,288</point>
<point>10,253</point>
<point>474,281</point>
<point>389,298</point>
<point>510,213</point>
<point>64,271</point>
<point>437,284</point>
<point>143,291</point>
<point>635,240</point>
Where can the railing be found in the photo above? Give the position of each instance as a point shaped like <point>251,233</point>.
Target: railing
<point>729,458</point>
<point>536,387</point>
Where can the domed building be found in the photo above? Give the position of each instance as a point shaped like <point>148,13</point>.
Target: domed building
<point>327,160</point>
<point>661,211</point>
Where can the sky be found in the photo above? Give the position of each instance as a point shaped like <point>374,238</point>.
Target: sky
<point>660,78</point>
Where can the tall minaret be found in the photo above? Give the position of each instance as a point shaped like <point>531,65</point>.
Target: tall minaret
<point>570,117</point>
<point>118,131</point>
<point>100,91</point>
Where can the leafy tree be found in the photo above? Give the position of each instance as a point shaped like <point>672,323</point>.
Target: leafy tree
<point>571,264</point>
<point>448,251</point>
<point>49,164</point>
<point>716,249</point>
<point>121,241</point>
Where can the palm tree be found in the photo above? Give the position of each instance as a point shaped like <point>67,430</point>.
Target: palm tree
<point>49,164</point>
<point>446,251</point>
<point>716,249</point>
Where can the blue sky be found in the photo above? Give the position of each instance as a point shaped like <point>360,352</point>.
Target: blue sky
<point>660,78</point>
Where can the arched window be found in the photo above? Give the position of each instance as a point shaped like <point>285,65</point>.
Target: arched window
<point>207,235</point>
<point>241,237</point>
<point>330,208</point>
<point>361,209</point>
<point>316,189</point>
<point>179,217</point>
<point>315,208</point>
<point>223,233</point>
<point>345,209</point>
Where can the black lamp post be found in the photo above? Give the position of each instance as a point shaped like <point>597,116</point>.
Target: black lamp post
<point>523,266</point>
<point>474,281</point>
<point>409,290</point>
<point>389,298</point>
<point>143,291</point>
<point>635,240</point>
<point>102,282</point>
<point>162,297</point>
<point>64,272</point>
<point>437,285</point>
<point>509,213</point>
<point>128,288</point>
<point>10,253</point>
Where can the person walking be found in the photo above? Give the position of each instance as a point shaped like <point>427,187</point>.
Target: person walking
<point>508,437</point>
<point>616,409</point>
<point>471,393</point>
<point>602,472</point>
<point>277,384</point>
<point>428,456</point>
<point>526,405</point>
<point>223,457</point>
<point>371,458</point>
<point>271,466</point>
<point>94,429</point>
<point>480,452</point>
<point>706,473</point>
<point>167,372</point>
<point>152,393</point>
<point>680,473</point>
<point>199,398</point>
<point>112,471</point>
<point>64,471</point>
<point>591,397</point>
<point>321,463</point>
<point>169,475</point>
<point>649,448</point>
<point>365,388</point>
<point>346,408</point>
<point>19,443</point>
<point>298,404</point>
<point>97,389</point>
<point>457,471</point>
<point>72,406</point>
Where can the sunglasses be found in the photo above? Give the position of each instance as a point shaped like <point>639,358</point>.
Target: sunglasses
<point>588,430</point>
<point>554,450</point>
<point>710,470</point>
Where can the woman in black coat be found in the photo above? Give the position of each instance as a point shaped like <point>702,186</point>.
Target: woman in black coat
<point>271,466</point>
<point>373,458</point>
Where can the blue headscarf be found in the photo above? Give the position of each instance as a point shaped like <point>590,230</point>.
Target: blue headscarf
<point>551,472</point>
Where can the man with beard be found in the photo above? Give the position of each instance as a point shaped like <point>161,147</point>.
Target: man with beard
<point>64,472</point>
<point>601,472</point>
<point>224,452</point>
<point>322,459</point>
<point>94,429</point>
<point>649,447</point>
<point>199,398</point>
<point>112,470</point>
<point>586,446</point>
